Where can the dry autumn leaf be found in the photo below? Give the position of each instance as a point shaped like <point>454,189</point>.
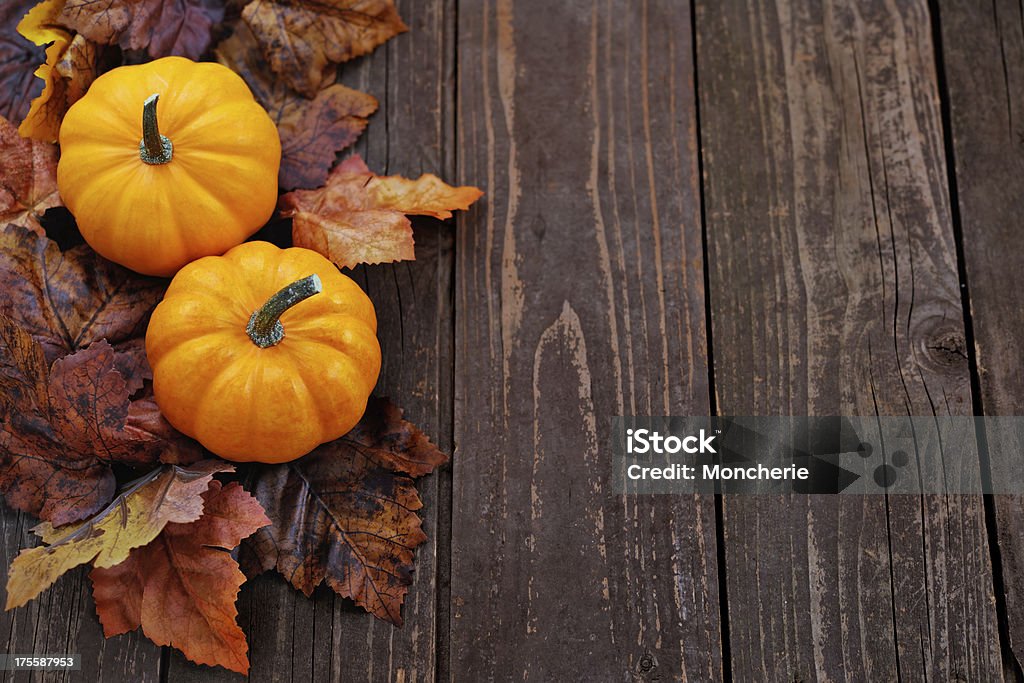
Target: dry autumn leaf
<point>313,130</point>
<point>359,217</point>
<point>182,587</point>
<point>161,27</point>
<point>347,514</point>
<point>304,41</point>
<point>67,73</point>
<point>61,427</point>
<point>68,300</point>
<point>146,424</point>
<point>393,442</point>
<point>28,179</point>
<point>18,60</point>
<point>133,519</point>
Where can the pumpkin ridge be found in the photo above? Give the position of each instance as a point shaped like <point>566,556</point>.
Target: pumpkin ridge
<point>175,414</point>
<point>216,118</point>
<point>253,370</point>
<point>219,326</point>
<point>324,410</point>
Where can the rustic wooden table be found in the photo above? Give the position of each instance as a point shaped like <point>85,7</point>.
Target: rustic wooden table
<point>788,207</point>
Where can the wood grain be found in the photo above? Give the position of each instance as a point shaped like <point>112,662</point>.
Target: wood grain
<point>983,62</point>
<point>834,291</point>
<point>579,296</point>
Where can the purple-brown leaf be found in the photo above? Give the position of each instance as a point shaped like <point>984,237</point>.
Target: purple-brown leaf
<point>346,513</point>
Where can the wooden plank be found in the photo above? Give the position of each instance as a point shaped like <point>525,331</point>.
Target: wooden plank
<point>326,638</point>
<point>983,64</point>
<point>579,296</point>
<point>834,290</point>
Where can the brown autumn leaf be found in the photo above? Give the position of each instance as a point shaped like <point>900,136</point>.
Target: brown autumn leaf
<point>304,41</point>
<point>346,513</point>
<point>28,179</point>
<point>161,27</point>
<point>133,519</point>
<point>393,442</point>
<point>68,71</point>
<point>359,217</point>
<point>313,130</point>
<point>18,61</point>
<point>61,427</point>
<point>147,425</point>
<point>182,587</point>
<point>68,300</point>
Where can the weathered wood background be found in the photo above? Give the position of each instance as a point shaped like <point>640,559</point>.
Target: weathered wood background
<point>791,207</point>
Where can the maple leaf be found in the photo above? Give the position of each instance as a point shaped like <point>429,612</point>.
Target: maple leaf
<point>28,179</point>
<point>313,130</point>
<point>181,588</point>
<point>161,27</point>
<point>62,427</point>
<point>346,514</point>
<point>18,61</point>
<point>68,300</point>
<point>133,519</point>
<point>68,71</point>
<point>304,41</point>
<point>359,217</point>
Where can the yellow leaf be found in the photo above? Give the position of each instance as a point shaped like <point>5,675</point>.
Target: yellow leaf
<point>428,195</point>
<point>40,26</point>
<point>132,520</point>
<point>68,72</point>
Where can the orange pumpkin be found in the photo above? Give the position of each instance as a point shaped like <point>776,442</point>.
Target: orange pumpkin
<point>264,353</point>
<point>153,189</point>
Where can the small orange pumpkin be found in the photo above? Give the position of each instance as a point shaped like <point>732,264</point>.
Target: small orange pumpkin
<point>264,353</point>
<point>153,190</point>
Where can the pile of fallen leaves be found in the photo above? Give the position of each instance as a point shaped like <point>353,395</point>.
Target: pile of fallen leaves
<point>83,446</point>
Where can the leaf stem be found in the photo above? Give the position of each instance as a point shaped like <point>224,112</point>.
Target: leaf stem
<point>127,490</point>
<point>264,328</point>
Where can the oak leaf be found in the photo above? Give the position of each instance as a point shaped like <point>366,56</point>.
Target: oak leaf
<point>359,217</point>
<point>182,587</point>
<point>61,428</point>
<point>346,513</point>
<point>313,130</point>
<point>68,71</point>
<point>161,27</point>
<point>133,519</point>
<point>68,300</point>
<point>304,41</point>
<point>28,179</point>
<point>18,60</point>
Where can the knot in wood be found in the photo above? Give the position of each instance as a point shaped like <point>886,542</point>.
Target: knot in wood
<point>647,663</point>
<point>947,349</point>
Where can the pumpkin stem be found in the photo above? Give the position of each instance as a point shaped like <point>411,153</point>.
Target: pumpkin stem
<point>264,326</point>
<point>154,148</point>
